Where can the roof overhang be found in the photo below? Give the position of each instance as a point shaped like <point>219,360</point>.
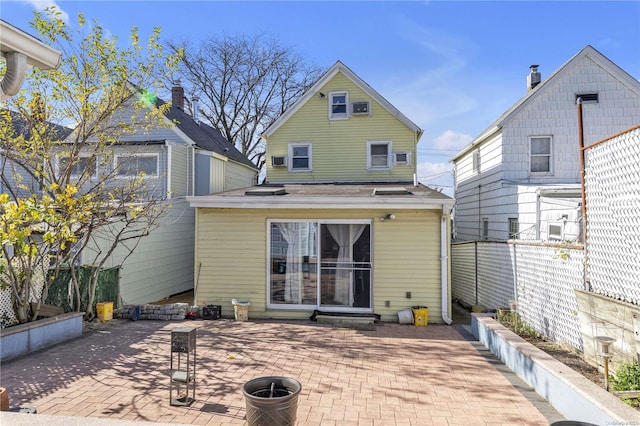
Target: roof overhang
<point>566,191</point>
<point>315,203</point>
<point>337,196</point>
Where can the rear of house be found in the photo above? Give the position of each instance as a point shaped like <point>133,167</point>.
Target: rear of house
<point>340,226</point>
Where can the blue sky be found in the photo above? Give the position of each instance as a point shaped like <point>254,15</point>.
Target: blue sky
<point>452,67</point>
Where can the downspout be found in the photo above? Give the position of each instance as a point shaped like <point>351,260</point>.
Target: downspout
<point>587,284</point>
<point>538,215</point>
<point>193,170</point>
<point>444,265</point>
<point>168,170</point>
<point>16,70</point>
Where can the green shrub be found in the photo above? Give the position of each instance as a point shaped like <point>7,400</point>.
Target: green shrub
<point>627,377</point>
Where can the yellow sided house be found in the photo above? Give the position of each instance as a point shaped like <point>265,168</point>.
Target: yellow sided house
<point>340,227</point>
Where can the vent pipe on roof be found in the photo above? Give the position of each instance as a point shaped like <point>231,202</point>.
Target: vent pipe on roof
<point>194,105</point>
<point>534,77</point>
<point>13,78</point>
<point>177,95</point>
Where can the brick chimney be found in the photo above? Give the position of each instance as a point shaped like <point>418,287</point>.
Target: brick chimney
<point>177,95</point>
<point>534,77</point>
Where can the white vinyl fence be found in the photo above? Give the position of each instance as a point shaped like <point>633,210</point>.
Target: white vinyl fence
<point>540,277</point>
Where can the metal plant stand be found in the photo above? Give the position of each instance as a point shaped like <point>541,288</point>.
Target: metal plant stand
<point>183,366</point>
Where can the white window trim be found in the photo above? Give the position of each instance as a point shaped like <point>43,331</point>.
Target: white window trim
<point>293,145</point>
<point>550,172</point>
<point>389,154</point>
<point>475,161</point>
<point>556,237</point>
<point>344,116</point>
<point>146,176</point>
<point>402,163</point>
<point>319,222</point>
<point>94,174</point>
<point>484,236</point>
<point>513,235</point>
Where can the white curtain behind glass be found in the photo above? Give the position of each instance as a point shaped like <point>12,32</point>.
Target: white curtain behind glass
<point>345,236</point>
<point>300,243</point>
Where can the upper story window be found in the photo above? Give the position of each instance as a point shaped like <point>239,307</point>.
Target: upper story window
<point>540,154</point>
<point>485,229</point>
<point>476,161</point>
<point>300,156</point>
<point>379,155</point>
<point>82,166</point>
<point>338,102</point>
<point>134,164</point>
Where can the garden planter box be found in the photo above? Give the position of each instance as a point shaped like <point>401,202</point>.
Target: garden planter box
<point>25,338</point>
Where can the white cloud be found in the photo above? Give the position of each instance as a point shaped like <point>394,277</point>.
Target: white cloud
<point>436,175</point>
<point>431,171</point>
<point>450,140</point>
<point>41,5</point>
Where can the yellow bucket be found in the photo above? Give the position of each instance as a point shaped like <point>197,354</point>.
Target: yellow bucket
<point>420,316</point>
<point>105,311</point>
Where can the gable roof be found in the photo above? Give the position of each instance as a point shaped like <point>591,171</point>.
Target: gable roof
<point>587,51</point>
<point>21,127</point>
<point>339,67</point>
<point>205,136</point>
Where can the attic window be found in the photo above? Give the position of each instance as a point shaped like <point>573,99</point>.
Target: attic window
<point>391,190</point>
<point>338,102</point>
<point>588,98</point>
<point>266,191</point>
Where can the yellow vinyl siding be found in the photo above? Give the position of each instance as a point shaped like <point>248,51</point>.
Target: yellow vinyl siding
<point>231,247</point>
<point>406,255</point>
<point>340,146</point>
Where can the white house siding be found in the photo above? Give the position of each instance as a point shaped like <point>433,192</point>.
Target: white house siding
<point>510,192</point>
<point>553,209</point>
<point>238,176</point>
<point>162,264</point>
<point>553,112</point>
<point>475,192</point>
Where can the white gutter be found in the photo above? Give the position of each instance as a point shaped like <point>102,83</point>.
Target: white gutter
<point>14,76</point>
<point>20,51</point>
<point>444,265</point>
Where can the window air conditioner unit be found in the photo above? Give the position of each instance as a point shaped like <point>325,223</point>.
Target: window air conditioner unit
<point>279,161</point>
<point>360,108</point>
<point>401,158</point>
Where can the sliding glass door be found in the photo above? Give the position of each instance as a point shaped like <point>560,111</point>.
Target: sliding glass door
<point>320,264</point>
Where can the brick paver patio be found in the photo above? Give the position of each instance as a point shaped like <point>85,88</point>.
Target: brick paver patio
<point>389,374</point>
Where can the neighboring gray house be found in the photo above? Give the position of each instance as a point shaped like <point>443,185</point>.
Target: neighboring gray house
<point>183,159</point>
<point>190,158</point>
<point>520,178</point>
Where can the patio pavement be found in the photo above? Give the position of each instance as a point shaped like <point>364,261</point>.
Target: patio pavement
<point>387,374</point>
